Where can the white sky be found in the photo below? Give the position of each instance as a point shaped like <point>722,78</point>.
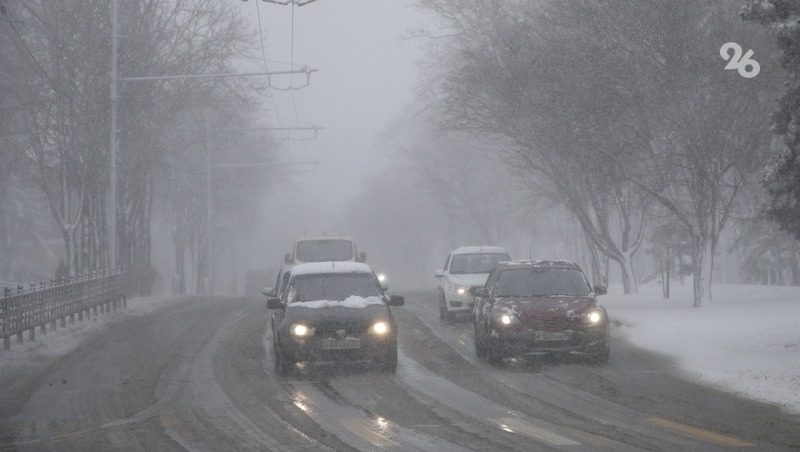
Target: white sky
<point>367,76</point>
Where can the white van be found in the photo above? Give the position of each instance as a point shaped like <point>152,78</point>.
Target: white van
<point>324,248</point>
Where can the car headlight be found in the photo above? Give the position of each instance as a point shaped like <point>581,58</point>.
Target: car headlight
<point>380,328</point>
<point>462,290</point>
<point>300,330</point>
<point>595,316</point>
<point>506,319</point>
<point>381,278</point>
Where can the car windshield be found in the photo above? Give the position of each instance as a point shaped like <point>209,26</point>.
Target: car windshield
<point>324,250</point>
<point>334,287</point>
<point>527,282</point>
<point>476,263</point>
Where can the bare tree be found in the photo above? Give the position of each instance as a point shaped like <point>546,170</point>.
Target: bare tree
<point>508,73</point>
<point>607,102</point>
<point>63,105</point>
<point>476,192</point>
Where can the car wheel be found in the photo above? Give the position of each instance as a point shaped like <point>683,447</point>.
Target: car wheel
<point>493,353</point>
<point>282,365</point>
<point>451,317</point>
<point>480,343</point>
<point>601,358</point>
<point>389,362</point>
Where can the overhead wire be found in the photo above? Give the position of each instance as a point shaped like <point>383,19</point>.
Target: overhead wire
<point>291,88</point>
<point>271,95</point>
<point>291,59</point>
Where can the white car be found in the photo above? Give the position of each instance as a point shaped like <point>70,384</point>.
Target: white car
<point>465,268</point>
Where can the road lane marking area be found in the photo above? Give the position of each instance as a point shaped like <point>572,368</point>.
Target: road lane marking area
<point>478,407</point>
<point>364,429</point>
<point>351,425</point>
<point>698,433</point>
<point>515,425</point>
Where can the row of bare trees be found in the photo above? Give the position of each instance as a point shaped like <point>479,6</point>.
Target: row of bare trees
<point>620,111</point>
<point>55,61</point>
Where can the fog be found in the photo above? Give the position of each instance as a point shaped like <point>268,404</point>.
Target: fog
<point>367,78</point>
<point>423,127</point>
<point>435,225</point>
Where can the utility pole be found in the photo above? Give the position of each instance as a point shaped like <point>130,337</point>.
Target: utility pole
<point>115,79</point>
<point>209,201</point>
<point>209,211</point>
<point>112,223</point>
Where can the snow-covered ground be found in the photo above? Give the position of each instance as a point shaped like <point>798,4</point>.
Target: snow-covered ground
<point>746,341</point>
<point>64,340</point>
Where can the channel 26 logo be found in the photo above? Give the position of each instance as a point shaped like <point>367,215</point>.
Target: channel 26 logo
<point>744,64</point>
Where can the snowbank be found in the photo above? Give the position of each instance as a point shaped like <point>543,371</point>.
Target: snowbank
<point>67,339</point>
<point>350,302</point>
<point>746,341</point>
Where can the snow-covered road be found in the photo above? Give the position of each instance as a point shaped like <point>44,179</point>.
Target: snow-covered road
<point>196,375</point>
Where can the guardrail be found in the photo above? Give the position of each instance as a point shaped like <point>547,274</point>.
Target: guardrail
<point>27,308</point>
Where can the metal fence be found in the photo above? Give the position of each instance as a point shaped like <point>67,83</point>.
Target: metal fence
<point>49,303</point>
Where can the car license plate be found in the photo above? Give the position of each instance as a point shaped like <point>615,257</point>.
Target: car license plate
<point>341,344</point>
<point>550,336</point>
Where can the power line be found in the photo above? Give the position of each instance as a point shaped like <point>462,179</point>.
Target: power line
<point>291,88</point>
<point>264,58</point>
<point>288,2</point>
<point>291,59</point>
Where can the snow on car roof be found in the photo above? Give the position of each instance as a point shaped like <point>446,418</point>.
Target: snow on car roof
<point>324,237</point>
<point>313,268</point>
<point>350,302</point>
<point>479,249</point>
<point>539,263</point>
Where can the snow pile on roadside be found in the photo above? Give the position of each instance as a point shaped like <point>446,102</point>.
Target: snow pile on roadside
<point>747,340</point>
<point>350,302</point>
<point>67,339</point>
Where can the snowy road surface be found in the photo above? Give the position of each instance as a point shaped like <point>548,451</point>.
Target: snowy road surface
<point>194,375</point>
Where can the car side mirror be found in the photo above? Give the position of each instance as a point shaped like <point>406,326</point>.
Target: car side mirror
<point>274,303</point>
<point>362,257</point>
<point>396,300</point>
<point>439,273</point>
<point>478,291</point>
<point>287,258</point>
<point>268,292</point>
<point>600,290</point>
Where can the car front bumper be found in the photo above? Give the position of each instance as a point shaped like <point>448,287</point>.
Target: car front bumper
<point>371,349</point>
<point>460,302</point>
<point>590,341</point>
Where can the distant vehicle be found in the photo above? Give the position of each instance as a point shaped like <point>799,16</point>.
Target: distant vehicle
<point>537,308</point>
<point>254,280</point>
<point>333,312</point>
<point>324,248</point>
<point>465,268</point>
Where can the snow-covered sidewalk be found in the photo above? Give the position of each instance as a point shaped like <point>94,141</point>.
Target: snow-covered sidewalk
<point>746,341</point>
<point>65,340</point>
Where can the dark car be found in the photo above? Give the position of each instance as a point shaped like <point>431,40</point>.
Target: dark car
<point>539,308</point>
<point>333,312</point>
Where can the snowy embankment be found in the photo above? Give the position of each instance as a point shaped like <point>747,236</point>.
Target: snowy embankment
<point>747,340</point>
<point>67,339</point>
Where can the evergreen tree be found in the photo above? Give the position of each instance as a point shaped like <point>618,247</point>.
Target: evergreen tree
<point>782,175</point>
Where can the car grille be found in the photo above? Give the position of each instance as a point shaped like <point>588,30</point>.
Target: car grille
<point>332,328</point>
<point>559,323</point>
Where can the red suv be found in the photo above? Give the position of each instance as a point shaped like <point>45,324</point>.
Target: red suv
<point>538,308</point>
